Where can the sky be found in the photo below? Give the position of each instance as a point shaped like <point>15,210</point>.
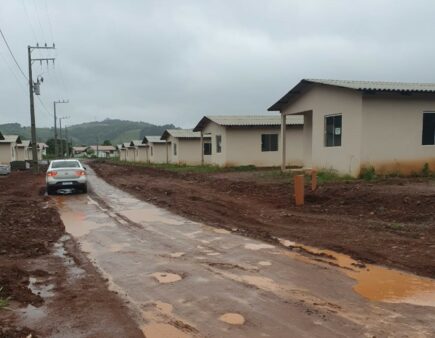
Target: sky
<point>176,61</point>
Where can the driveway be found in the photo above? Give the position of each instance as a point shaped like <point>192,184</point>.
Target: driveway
<point>184,279</point>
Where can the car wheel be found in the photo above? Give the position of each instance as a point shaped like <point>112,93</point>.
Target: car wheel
<point>49,190</point>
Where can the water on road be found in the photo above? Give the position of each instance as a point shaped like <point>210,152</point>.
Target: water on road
<point>186,279</point>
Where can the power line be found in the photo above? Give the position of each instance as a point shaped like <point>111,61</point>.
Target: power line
<point>12,54</point>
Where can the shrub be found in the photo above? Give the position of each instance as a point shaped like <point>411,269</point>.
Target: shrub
<point>425,171</point>
<point>368,173</point>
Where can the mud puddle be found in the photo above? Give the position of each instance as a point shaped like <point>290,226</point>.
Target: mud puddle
<point>232,318</point>
<point>374,282</point>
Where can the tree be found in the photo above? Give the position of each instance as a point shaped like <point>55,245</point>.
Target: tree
<point>107,143</point>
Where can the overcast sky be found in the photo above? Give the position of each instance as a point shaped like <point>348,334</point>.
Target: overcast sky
<point>175,61</point>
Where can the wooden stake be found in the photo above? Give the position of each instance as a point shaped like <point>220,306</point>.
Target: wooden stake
<point>299,189</point>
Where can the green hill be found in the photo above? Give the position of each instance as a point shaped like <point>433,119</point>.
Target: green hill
<point>116,131</point>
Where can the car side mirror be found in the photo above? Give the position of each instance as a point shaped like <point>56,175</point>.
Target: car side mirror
<point>85,168</point>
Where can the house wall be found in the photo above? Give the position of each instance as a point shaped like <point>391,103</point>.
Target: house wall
<point>212,129</point>
<point>190,151</point>
<point>7,153</point>
<point>22,153</point>
<point>392,133</point>
<point>142,154</point>
<point>131,154</point>
<point>244,147</point>
<point>158,153</point>
<point>319,102</point>
<point>123,154</point>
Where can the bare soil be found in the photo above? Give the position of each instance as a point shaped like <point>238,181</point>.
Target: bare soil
<point>390,222</point>
<point>30,229</point>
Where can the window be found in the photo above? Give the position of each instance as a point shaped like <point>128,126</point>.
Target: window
<point>269,142</point>
<point>207,148</point>
<point>428,137</point>
<point>218,143</point>
<point>333,131</point>
<point>65,164</point>
<point>175,149</point>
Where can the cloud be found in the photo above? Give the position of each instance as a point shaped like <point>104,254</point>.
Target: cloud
<point>174,61</point>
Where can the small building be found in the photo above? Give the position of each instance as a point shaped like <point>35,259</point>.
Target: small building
<point>42,150</point>
<point>8,151</point>
<point>122,148</point>
<point>79,151</point>
<point>185,146</point>
<point>352,125</point>
<point>158,149</point>
<point>141,151</point>
<point>102,151</point>
<point>251,140</point>
<point>23,151</point>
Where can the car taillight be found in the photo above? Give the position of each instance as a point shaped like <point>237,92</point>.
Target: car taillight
<point>80,173</point>
<point>52,173</point>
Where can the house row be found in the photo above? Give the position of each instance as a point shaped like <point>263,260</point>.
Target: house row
<point>222,141</point>
<point>100,151</point>
<point>346,126</point>
<point>12,148</point>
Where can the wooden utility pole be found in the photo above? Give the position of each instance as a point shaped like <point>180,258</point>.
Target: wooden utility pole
<point>34,88</point>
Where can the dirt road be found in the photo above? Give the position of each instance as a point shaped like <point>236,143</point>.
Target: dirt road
<point>390,223</point>
<point>52,288</point>
<point>183,278</point>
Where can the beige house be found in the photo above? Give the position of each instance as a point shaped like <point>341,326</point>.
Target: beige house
<point>123,148</point>
<point>79,151</point>
<point>140,151</point>
<point>158,149</point>
<point>185,146</point>
<point>23,151</point>
<point>8,151</point>
<point>350,125</point>
<point>102,151</point>
<point>251,140</point>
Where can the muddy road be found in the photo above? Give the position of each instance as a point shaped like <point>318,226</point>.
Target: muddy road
<point>186,279</point>
<point>50,287</point>
<point>390,222</point>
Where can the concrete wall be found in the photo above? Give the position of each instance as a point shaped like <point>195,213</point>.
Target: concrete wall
<point>7,153</point>
<point>142,154</point>
<point>392,133</point>
<point>131,154</point>
<point>212,129</point>
<point>22,153</point>
<point>188,151</point>
<point>244,147</point>
<point>123,155</point>
<point>319,102</point>
<point>158,152</point>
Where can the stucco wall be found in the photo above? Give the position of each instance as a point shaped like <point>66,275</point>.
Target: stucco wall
<point>131,154</point>
<point>212,129</point>
<point>392,133</point>
<point>158,153</point>
<point>188,151</point>
<point>21,153</point>
<point>142,154</point>
<point>7,153</point>
<point>321,101</point>
<point>244,147</point>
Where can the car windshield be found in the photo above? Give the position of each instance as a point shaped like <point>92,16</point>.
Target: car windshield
<point>65,164</point>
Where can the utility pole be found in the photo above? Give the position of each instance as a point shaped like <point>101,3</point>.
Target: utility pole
<point>66,140</point>
<point>35,88</point>
<point>60,134</point>
<point>56,152</point>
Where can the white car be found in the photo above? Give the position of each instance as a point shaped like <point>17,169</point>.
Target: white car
<point>66,174</point>
<point>5,169</point>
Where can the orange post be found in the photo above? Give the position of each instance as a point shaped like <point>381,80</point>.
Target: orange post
<point>313,180</point>
<point>299,189</point>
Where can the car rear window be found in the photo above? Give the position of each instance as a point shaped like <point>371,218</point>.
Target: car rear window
<point>65,164</point>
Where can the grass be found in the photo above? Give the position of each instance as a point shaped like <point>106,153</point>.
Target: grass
<point>4,302</point>
<point>330,175</point>
<point>184,168</point>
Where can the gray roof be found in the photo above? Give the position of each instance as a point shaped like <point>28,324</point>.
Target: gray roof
<point>181,133</point>
<point>377,86</point>
<point>136,143</point>
<point>248,121</point>
<point>11,139</point>
<point>24,143</point>
<point>152,139</point>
